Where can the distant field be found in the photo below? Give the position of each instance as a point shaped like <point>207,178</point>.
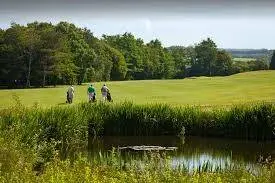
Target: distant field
<point>244,87</point>
<point>243,59</point>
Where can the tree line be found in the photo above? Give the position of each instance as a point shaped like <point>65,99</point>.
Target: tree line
<point>40,54</point>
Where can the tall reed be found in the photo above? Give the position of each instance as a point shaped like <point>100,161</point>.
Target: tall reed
<point>74,124</point>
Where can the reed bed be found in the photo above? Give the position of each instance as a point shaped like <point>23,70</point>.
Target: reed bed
<point>74,124</point>
<point>44,145</point>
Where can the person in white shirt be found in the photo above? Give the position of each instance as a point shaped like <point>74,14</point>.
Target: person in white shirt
<point>70,94</point>
<point>104,91</point>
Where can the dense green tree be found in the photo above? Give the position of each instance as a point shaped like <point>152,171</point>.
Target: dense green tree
<point>119,68</point>
<point>27,53</point>
<point>272,62</point>
<point>128,45</point>
<point>179,59</point>
<point>82,53</point>
<point>30,42</point>
<point>223,65</point>
<point>64,69</point>
<point>206,54</point>
<point>50,42</point>
<point>162,61</point>
<point>13,56</point>
<point>52,56</point>
<point>183,58</point>
<point>2,35</point>
<point>103,63</point>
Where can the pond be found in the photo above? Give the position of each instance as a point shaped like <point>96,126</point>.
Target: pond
<point>193,152</point>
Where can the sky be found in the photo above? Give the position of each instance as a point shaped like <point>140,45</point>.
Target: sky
<point>230,23</point>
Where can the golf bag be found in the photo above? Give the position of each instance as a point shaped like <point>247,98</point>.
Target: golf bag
<point>93,98</point>
<point>109,97</point>
<point>68,98</point>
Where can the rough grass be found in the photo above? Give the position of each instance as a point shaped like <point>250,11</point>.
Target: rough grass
<point>239,88</point>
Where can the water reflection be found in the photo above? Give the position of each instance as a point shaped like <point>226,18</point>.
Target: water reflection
<point>194,152</point>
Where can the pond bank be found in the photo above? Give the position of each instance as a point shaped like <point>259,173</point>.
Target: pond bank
<point>78,122</point>
<point>41,140</point>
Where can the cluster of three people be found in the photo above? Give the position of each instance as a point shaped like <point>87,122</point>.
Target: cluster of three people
<point>91,94</point>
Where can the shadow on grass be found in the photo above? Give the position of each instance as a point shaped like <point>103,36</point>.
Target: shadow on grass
<point>62,103</point>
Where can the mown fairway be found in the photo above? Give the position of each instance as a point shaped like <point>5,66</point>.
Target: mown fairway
<point>240,88</point>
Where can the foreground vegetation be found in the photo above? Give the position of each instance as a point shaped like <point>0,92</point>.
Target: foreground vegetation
<point>18,165</point>
<point>25,164</point>
<point>205,91</point>
<point>45,144</point>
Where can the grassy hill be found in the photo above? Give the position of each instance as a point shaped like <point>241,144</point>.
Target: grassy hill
<point>239,88</point>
